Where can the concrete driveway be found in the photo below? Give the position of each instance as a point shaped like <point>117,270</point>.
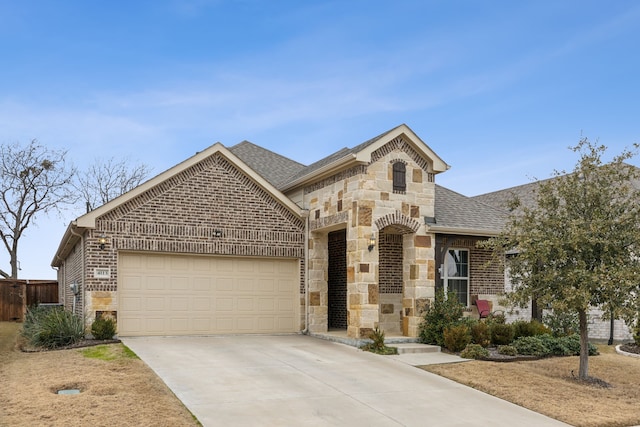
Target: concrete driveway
<point>296,380</point>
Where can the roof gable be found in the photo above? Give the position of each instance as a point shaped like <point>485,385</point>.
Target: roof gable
<point>362,154</point>
<point>88,220</point>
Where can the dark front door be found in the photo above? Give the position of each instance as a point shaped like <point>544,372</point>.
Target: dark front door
<point>337,279</point>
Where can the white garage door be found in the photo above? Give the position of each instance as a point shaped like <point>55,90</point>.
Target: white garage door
<point>200,295</point>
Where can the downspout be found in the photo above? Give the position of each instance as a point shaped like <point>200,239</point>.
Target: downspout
<point>75,294</point>
<point>57,270</point>
<point>305,213</point>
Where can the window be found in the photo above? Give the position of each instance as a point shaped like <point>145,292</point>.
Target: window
<point>455,275</point>
<point>399,177</point>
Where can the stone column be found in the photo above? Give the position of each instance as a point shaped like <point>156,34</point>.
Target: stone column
<point>362,285</point>
<point>318,287</point>
<point>419,280</point>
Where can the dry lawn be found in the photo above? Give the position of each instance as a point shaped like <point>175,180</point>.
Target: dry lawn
<point>119,392</point>
<point>547,386</point>
<point>124,391</point>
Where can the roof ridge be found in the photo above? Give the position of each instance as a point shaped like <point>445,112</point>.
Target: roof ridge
<point>340,154</point>
<point>472,199</point>
<point>246,142</point>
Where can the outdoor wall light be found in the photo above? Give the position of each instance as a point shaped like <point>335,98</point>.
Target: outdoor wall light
<point>102,241</point>
<point>372,242</point>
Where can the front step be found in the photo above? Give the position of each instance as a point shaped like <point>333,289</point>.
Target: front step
<point>415,348</point>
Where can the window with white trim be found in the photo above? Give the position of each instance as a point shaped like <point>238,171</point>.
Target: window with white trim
<point>455,275</point>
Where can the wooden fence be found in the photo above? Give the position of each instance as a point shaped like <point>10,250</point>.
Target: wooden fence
<point>17,295</point>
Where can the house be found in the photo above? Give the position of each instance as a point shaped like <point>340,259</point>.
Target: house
<point>244,240</point>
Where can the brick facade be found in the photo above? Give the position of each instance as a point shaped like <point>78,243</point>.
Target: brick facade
<point>486,277</point>
<point>209,208</point>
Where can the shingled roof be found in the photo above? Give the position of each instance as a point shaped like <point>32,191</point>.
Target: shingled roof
<point>501,199</point>
<point>459,214</point>
<point>338,155</point>
<point>526,194</point>
<point>273,167</point>
<point>285,173</point>
<point>280,170</point>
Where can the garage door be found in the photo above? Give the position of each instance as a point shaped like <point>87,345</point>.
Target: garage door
<point>198,295</point>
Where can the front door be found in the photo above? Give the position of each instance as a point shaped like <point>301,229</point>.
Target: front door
<point>337,279</point>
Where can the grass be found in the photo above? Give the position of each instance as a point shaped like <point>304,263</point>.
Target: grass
<point>547,386</point>
<point>109,352</point>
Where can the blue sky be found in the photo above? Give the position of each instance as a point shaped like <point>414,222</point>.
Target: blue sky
<point>499,89</point>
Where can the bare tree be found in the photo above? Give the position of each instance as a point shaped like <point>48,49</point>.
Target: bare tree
<point>107,179</point>
<point>33,180</point>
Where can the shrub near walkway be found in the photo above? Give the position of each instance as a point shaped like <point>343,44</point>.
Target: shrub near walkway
<point>548,387</point>
<point>117,389</point>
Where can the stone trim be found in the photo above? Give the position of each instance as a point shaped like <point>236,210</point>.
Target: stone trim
<point>402,223</point>
<point>398,161</point>
<point>400,144</point>
<point>340,176</point>
<point>339,218</point>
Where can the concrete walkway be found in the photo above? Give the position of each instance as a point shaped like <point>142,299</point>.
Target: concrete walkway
<point>296,380</point>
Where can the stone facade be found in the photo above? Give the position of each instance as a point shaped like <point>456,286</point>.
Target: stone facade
<point>361,200</point>
<point>210,208</point>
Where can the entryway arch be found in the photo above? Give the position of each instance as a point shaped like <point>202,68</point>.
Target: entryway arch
<point>395,237</point>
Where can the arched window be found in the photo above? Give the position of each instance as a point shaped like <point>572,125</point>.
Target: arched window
<point>399,177</point>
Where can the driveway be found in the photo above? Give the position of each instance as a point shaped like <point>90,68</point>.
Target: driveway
<point>296,380</point>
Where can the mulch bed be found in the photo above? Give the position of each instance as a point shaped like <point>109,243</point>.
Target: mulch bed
<point>25,347</point>
<point>631,348</point>
<point>494,356</point>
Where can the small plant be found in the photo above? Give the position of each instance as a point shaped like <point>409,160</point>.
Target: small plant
<point>481,334</point>
<point>570,346</point>
<point>636,333</point>
<point>377,345</point>
<point>103,328</point>
<point>523,328</point>
<point>474,351</point>
<point>562,323</point>
<point>457,337</point>
<point>532,346</point>
<point>442,313</point>
<point>507,350</point>
<point>497,318</point>
<point>547,345</point>
<point>377,336</point>
<point>501,333</point>
<point>52,327</point>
